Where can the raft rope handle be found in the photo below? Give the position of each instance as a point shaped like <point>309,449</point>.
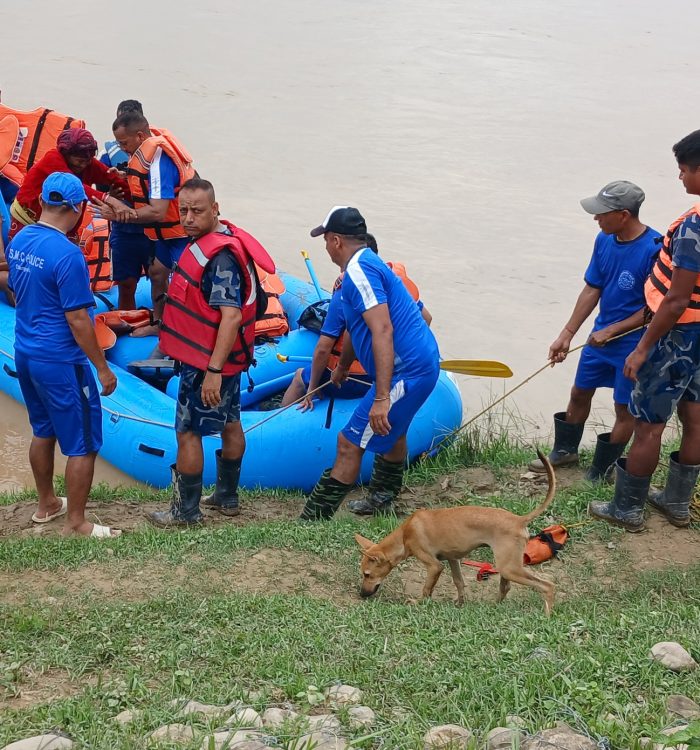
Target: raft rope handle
<point>518,386</point>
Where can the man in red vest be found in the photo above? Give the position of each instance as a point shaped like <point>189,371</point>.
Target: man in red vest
<point>666,367</point>
<point>208,327</point>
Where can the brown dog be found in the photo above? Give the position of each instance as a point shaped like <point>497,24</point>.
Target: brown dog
<point>450,534</point>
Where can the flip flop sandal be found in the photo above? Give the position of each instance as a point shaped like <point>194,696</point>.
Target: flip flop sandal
<point>61,512</point>
<point>102,532</point>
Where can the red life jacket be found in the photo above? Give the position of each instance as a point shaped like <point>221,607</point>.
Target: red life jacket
<point>190,326</point>
<point>659,281</point>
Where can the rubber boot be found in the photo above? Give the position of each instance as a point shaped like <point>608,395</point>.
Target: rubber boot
<point>627,506</point>
<point>225,496</point>
<point>384,488</point>
<point>325,498</point>
<point>184,509</point>
<point>673,501</point>
<point>604,458</point>
<point>567,436</point>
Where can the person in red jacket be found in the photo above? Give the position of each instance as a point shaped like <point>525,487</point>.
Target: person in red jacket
<point>74,153</point>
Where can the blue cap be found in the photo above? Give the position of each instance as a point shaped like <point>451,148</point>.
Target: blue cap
<point>63,189</point>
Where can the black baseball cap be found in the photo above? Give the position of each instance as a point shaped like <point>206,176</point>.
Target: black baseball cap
<point>342,220</point>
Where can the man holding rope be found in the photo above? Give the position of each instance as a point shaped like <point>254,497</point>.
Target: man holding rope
<point>397,350</point>
<point>666,366</point>
<point>208,327</point>
<point>623,255</point>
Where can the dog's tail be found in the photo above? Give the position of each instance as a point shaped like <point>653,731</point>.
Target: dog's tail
<point>550,490</point>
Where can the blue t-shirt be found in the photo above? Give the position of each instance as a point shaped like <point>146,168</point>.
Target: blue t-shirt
<point>49,277</point>
<point>334,324</point>
<point>369,282</point>
<point>619,270</point>
<point>221,281</point>
<point>163,177</point>
<point>685,244</point>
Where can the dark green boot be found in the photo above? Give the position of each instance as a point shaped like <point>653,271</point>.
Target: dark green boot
<point>627,506</point>
<point>567,436</point>
<point>225,496</point>
<point>673,501</point>
<point>184,509</point>
<point>384,488</point>
<point>325,498</point>
<point>604,458</point>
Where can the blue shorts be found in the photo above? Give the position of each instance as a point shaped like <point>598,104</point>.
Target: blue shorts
<point>599,368</point>
<point>132,254</point>
<point>63,402</point>
<point>348,390</point>
<point>168,252</point>
<point>192,415</point>
<point>407,395</point>
<point>670,375</point>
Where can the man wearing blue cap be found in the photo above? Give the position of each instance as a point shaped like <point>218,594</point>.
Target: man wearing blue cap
<point>54,339</point>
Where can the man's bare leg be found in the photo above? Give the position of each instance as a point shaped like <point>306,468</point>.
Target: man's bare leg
<point>41,459</point>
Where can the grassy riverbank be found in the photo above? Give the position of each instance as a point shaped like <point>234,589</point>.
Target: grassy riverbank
<point>88,628</point>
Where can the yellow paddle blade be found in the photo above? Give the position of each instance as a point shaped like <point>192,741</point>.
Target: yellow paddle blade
<point>481,368</point>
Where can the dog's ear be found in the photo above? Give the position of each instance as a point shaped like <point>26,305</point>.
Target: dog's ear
<point>363,542</point>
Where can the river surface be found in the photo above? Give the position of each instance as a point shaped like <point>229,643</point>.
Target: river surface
<point>465,132</point>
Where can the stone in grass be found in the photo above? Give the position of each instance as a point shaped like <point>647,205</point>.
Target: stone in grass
<point>673,656</point>
<point>504,738</point>
<point>680,705</point>
<point>669,733</point>
<point>240,739</point>
<point>274,718</point>
<point>450,736</point>
<point>323,722</point>
<point>49,741</point>
<point>246,718</point>
<point>343,695</point>
<point>513,720</point>
<point>361,717</point>
<point>127,717</point>
<point>318,741</point>
<point>561,737</point>
<point>172,733</point>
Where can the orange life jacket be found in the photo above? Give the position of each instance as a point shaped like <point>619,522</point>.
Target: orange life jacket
<point>190,326</point>
<point>274,322</point>
<point>356,368</point>
<point>138,174</point>
<point>94,242</point>
<point>26,136</point>
<point>659,281</point>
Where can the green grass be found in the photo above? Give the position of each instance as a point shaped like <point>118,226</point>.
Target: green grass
<point>432,663</point>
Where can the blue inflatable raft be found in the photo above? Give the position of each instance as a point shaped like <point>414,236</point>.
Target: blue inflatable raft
<point>285,448</point>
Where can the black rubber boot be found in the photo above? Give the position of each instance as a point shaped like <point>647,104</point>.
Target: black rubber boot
<point>325,498</point>
<point>184,509</point>
<point>384,488</point>
<point>225,496</point>
<point>567,436</point>
<point>604,458</point>
<point>673,501</point>
<point>627,506</point>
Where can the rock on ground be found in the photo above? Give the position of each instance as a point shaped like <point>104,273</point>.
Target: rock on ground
<point>274,717</point>
<point>682,706</point>
<point>513,720</point>
<point>239,739</point>
<point>504,738</point>
<point>673,656</point>
<point>203,709</point>
<point>343,695</point>
<point>323,722</point>
<point>669,733</point>
<point>561,737</point>
<point>450,736</point>
<point>245,717</point>
<point>361,716</point>
<point>41,742</point>
<point>319,741</point>
<point>171,733</point>
<point>127,717</point>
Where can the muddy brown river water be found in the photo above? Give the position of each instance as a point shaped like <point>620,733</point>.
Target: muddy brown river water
<point>466,133</point>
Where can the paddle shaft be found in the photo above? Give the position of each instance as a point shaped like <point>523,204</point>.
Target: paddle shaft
<point>312,274</point>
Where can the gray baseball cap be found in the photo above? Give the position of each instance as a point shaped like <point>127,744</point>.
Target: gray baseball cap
<point>620,195</point>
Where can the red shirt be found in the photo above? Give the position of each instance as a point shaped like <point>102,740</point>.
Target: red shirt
<point>96,173</point>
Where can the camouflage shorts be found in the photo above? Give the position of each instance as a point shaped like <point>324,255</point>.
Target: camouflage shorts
<point>193,416</point>
<point>671,374</point>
